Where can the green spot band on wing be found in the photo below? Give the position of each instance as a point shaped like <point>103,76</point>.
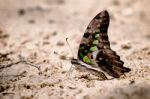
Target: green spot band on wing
<point>87,60</point>
<point>96,35</point>
<point>95,42</point>
<point>93,48</point>
<point>81,55</point>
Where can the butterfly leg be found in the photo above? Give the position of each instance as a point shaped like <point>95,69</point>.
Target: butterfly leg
<point>70,71</point>
<point>73,61</point>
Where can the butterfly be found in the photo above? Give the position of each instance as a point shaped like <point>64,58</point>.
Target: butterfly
<point>94,52</point>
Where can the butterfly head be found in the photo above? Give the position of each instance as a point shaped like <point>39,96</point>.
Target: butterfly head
<point>74,61</point>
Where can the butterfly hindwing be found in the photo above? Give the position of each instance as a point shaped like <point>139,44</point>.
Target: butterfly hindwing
<point>112,63</point>
<point>95,47</point>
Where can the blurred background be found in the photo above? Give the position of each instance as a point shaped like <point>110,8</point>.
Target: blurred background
<point>37,28</point>
<point>36,18</point>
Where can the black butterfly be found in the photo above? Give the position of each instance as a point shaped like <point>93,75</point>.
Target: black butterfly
<point>95,52</point>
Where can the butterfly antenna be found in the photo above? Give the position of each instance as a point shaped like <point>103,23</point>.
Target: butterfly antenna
<point>71,68</point>
<point>70,47</point>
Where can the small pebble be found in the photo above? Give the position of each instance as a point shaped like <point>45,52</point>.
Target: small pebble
<point>54,33</point>
<point>60,43</point>
<point>60,1</point>
<point>125,46</point>
<point>148,53</point>
<point>1,31</point>
<point>51,21</point>
<point>63,57</point>
<point>46,42</point>
<point>3,34</point>
<point>113,43</point>
<point>132,82</point>
<point>21,12</point>
<point>72,87</point>
<point>31,21</point>
<point>116,2</point>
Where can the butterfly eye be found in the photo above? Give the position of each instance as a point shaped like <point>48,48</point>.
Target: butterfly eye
<point>91,56</point>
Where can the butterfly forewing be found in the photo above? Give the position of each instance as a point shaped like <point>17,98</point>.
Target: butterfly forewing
<point>95,38</point>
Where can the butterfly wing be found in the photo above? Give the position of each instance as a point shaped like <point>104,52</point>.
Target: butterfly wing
<point>95,38</point>
<point>95,47</point>
<point>110,62</point>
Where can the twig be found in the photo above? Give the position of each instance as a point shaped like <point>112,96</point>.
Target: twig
<point>33,65</point>
<point>7,93</point>
<point>22,74</point>
<point>5,54</point>
<point>9,65</point>
<point>21,60</point>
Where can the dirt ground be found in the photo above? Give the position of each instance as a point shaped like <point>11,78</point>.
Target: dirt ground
<point>35,29</point>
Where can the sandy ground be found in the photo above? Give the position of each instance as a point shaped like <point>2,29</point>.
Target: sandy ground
<point>35,29</point>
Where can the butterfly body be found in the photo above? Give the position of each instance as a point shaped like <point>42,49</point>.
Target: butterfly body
<point>80,65</point>
<point>94,50</point>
